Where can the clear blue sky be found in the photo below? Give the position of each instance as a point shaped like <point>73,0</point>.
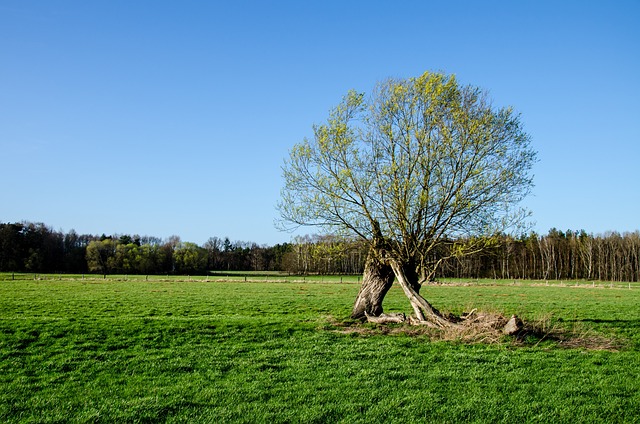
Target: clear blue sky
<point>162,118</point>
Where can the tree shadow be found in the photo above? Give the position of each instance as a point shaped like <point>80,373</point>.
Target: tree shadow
<point>577,335</point>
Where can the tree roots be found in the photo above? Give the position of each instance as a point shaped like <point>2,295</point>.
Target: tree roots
<point>468,322</point>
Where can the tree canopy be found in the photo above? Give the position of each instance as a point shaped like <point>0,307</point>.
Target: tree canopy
<point>418,162</point>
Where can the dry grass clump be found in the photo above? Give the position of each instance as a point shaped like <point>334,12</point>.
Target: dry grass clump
<point>488,328</point>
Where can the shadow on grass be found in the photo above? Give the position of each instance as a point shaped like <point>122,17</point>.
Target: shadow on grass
<point>576,336</point>
<point>619,323</point>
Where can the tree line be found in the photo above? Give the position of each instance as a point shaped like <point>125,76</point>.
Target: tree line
<point>35,247</point>
<point>558,255</point>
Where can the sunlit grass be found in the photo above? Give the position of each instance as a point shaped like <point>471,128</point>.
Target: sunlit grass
<point>174,350</point>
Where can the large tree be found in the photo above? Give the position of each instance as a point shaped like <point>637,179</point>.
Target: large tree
<point>413,165</point>
<point>101,255</point>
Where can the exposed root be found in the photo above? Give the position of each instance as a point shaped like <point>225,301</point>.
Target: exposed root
<point>386,318</point>
<point>446,323</point>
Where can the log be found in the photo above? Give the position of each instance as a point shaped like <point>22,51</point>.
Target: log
<point>386,318</point>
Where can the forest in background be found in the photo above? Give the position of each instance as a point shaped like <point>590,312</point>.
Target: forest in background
<point>557,255</point>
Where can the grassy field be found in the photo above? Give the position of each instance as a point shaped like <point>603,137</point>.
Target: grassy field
<point>282,277</point>
<point>138,349</point>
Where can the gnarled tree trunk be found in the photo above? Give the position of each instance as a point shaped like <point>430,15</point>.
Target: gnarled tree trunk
<point>376,282</point>
<point>379,273</point>
<point>425,313</point>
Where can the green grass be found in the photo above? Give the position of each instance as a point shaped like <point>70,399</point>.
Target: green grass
<point>280,276</point>
<point>215,276</point>
<point>165,350</point>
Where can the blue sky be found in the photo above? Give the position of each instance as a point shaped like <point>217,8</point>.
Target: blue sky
<point>162,118</point>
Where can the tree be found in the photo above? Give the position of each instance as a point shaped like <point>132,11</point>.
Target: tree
<point>418,163</point>
<point>12,247</point>
<point>75,246</point>
<point>190,258</point>
<point>128,257</point>
<point>213,246</point>
<point>101,254</point>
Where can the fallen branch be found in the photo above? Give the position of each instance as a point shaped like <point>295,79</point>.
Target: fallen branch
<point>386,318</point>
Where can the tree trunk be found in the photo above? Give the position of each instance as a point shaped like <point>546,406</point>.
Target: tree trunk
<point>425,313</point>
<point>376,282</point>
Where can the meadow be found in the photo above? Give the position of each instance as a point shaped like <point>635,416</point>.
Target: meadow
<point>276,349</point>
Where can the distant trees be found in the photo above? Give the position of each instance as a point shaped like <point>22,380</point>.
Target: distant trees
<point>570,255</point>
<point>325,254</point>
<point>557,255</point>
<point>101,255</point>
<point>75,246</point>
<point>31,247</point>
<point>190,258</point>
<point>177,257</point>
<point>34,247</point>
